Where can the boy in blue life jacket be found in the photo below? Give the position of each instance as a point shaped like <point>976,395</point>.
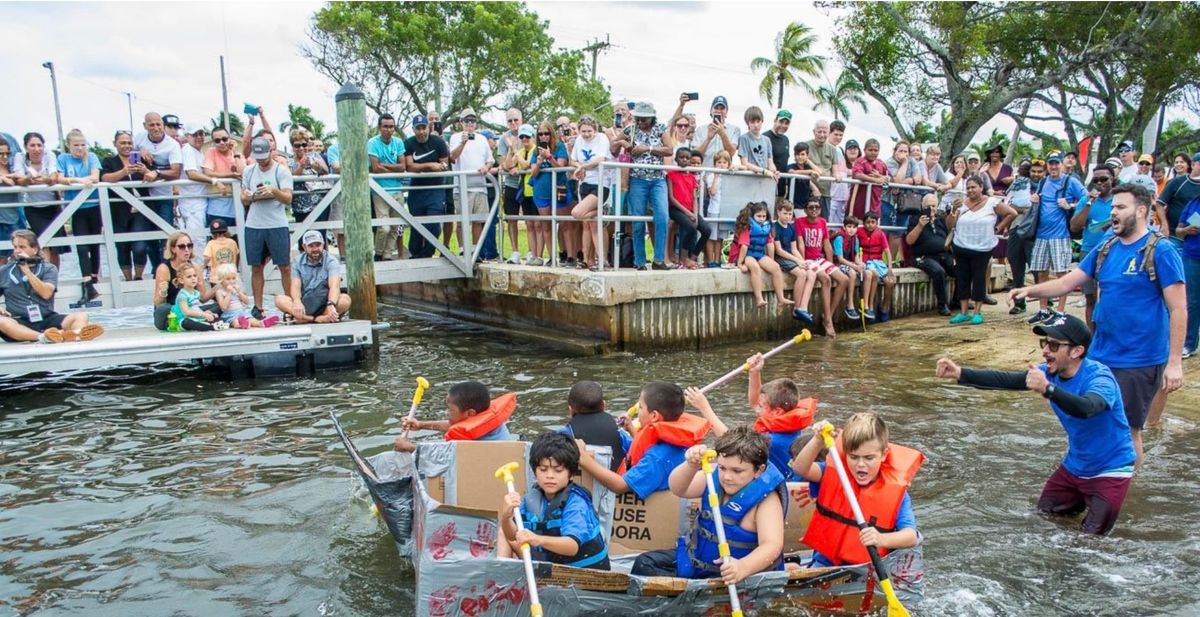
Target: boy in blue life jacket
<point>560,523</point>
<point>752,494</point>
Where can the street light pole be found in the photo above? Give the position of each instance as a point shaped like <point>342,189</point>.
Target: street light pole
<point>129,101</point>
<point>57,109</point>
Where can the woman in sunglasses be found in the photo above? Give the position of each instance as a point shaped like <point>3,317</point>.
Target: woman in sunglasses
<point>178,251</point>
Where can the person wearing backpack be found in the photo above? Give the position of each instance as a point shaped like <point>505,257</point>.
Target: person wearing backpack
<point>1140,312</point>
<point>1092,219</point>
<point>1054,199</point>
<point>1020,235</point>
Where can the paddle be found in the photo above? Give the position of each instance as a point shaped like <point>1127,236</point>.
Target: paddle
<point>722,546</point>
<point>535,606</point>
<point>804,335</point>
<point>422,383</point>
<point>895,609</point>
<point>862,312</point>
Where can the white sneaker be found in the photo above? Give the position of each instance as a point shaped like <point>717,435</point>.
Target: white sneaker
<point>533,261</point>
<point>514,259</point>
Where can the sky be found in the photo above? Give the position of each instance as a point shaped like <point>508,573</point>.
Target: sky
<point>166,54</point>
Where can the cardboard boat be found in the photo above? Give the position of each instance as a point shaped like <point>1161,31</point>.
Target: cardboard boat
<point>440,506</point>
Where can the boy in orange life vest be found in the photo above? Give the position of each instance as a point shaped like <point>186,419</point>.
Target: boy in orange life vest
<point>667,432</point>
<point>472,416</point>
<point>880,473</point>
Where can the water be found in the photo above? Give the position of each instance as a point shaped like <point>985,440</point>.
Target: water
<point>155,492</point>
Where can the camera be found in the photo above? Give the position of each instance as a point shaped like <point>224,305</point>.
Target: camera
<point>31,260</point>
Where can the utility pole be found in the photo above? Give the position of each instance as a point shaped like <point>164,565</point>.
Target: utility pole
<point>129,102</point>
<point>224,95</point>
<point>57,110</point>
<point>595,47</point>
<point>356,201</point>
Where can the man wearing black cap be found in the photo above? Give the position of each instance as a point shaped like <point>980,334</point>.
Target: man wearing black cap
<point>1128,166</point>
<point>172,125</point>
<point>717,135</point>
<point>1094,475</point>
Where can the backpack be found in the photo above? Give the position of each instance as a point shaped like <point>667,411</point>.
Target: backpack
<point>1147,251</point>
<point>1025,227</point>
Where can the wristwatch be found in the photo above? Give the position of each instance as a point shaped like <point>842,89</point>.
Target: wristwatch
<point>1049,391</point>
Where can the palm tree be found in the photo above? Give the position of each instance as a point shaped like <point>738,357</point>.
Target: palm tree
<point>836,95</point>
<point>793,61</point>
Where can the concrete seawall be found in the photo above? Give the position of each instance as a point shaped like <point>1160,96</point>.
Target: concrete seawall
<point>633,311</point>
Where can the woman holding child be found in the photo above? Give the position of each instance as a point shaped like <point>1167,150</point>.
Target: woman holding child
<point>177,253</point>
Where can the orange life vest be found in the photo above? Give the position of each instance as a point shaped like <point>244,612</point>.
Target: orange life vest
<point>833,531</point>
<point>790,421</point>
<point>687,431</point>
<point>484,422</point>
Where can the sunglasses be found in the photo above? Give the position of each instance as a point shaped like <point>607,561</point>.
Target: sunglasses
<point>528,137</point>
<point>541,133</point>
<point>184,246</point>
<point>682,125</point>
<point>512,120</point>
<point>220,140</point>
<point>1053,346</point>
<point>299,144</point>
<point>469,120</point>
<point>1101,179</point>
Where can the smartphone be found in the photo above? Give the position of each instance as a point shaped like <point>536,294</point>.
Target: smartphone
<point>251,110</point>
<point>135,157</point>
<point>470,135</point>
<point>543,144</point>
<point>693,96</point>
<point>617,121</point>
<point>716,119</point>
<point>437,127</point>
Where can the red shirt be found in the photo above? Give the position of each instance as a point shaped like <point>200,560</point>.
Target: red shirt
<point>683,188</point>
<point>814,235</point>
<point>866,196</point>
<point>873,243</point>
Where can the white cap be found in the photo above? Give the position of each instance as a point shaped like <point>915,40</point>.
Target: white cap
<point>192,128</point>
<point>312,236</point>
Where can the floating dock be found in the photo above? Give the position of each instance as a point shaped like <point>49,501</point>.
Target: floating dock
<point>281,351</point>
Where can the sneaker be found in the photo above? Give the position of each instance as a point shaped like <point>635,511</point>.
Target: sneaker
<point>990,301</point>
<point>270,321</point>
<point>1040,316</point>
<point>514,258</point>
<point>642,268</point>
<point>1187,353</point>
<point>944,310</point>
<point>960,318</point>
<point>658,265</point>
<point>532,261</point>
<point>870,314</point>
<point>977,319</point>
<point>1017,309</point>
<point>713,264</point>
<point>51,335</point>
<point>220,325</point>
<point>90,332</point>
<point>852,314</point>
<point>803,315</point>
<point>243,322</point>
<point>256,313</point>
<point>884,316</point>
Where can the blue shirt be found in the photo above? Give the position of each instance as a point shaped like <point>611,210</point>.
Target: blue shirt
<point>1052,221</point>
<point>1191,244</point>
<point>905,519</point>
<point>499,433</point>
<point>387,154</point>
<point>333,154</point>
<point>578,520</point>
<point>76,168</point>
<point>1100,443</point>
<point>1099,217</point>
<point>1132,328</point>
<point>541,184</point>
<point>785,236</point>
<point>652,471</point>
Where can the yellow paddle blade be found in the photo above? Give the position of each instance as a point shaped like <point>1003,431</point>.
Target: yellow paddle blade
<point>895,608</point>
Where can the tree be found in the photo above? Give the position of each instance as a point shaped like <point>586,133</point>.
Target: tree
<point>236,126</point>
<point>100,151</point>
<point>836,96</point>
<point>978,59</point>
<point>1178,136</point>
<point>300,116</point>
<point>793,61</point>
<point>446,56</point>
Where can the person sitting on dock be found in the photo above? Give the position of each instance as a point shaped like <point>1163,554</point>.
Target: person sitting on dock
<point>752,494</point>
<point>591,423</point>
<point>188,312</point>
<point>176,253</point>
<point>28,284</point>
<point>233,301</point>
<point>316,290</point>
<point>880,473</point>
<point>657,448</point>
<point>560,522</point>
<point>1098,468</point>
<point>471,416</point>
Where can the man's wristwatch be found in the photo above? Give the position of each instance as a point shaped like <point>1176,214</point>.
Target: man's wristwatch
<point>1049,391</point>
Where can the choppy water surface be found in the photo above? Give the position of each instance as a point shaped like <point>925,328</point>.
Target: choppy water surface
<point>154,492</point>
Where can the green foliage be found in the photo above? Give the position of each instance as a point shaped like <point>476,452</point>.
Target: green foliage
<point>236,126</point>
<point>301,117</point>
<point>1178,136</point>
<point>424,56</point>
<point>793,62</point>
<point>837,96</point>
<point>100,151</point>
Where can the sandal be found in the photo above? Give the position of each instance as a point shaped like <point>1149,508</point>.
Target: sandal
<point>90,332</point>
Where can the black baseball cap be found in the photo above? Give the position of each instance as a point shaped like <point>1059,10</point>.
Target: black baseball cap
<point>219,226</point>
<point>171,120</point>
<point>1065,328</point>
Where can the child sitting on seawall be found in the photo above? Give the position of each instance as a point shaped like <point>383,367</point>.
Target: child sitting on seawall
<point>560,522</point>
<point>879,473</point>
<point>751,494</point>
<point>847,254</point>
<point>877,258</point>
<point>752,251</point>
<point>789,254</point>
<point>234,303</point>
<point>471,415</point>
<point>188,313</point>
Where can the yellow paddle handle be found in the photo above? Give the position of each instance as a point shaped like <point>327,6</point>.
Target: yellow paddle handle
<point>706,463</point>
<point>827,434</point>
<point>422,384</point>
<point>506,471</point>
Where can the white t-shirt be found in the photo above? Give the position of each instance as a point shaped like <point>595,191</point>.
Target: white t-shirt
<point>22,167</point>
<point>267,213</point>
<point>976,231</point>
<point>588,150</point>
<point>196,194</point>
<point>165,154</point>
<point>1127,173</point>
<point>472,158</point>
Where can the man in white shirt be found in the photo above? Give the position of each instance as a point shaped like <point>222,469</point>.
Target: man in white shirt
<point>193,198</point>
<point>162,154</point>
<point>469,151</point>
<point>1128,167</point>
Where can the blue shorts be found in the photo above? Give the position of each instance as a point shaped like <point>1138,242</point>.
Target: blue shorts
<point>263,244</point>
<point>877,266</point>
<point>787,265</point>
<point>232,315</point>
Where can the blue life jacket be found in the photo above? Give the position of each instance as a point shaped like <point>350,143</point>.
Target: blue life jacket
<point>760,235</point>
<point>545,519</point>
<point>780,454</point>
<point>699,558</point>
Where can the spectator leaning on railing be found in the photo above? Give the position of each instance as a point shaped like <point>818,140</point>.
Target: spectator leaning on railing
<point>425,152</point>
<point>648,187</point>
<point>164,157</point>
<point>823,155</point>
<point>221,161</point>
<point>469,151</point>
<point>386,152</point>
<point>79,166</point>
<point>9,214</point>
<point>33,168</point>
<point>131,256</point>
<point>193,197</point>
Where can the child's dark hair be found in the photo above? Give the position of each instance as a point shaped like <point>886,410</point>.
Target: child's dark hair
<point>470,395</point>
<point>1023,170</point>
<point>684,150</point>
<point>800,147</point>
<point>664,397</point>
<point>557,447</point>
<point>586,397</point>
<point>869,216</point>
<point>745,443</point>
<point>851,220</point>
<point>781,393</point>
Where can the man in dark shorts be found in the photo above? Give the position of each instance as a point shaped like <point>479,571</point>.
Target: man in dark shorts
<point>1095,474</point>
<point>316,289</point>
<point>266,190</point>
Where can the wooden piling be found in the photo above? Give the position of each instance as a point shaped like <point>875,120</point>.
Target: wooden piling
<point>356,202</point>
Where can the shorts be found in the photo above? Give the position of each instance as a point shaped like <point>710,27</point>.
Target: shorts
<point>821,266</point>
<point>847,270</point>
<point>314,303</point>
<point>477,202</point>
<point>1138,387</point>
<point>263,244</point>
<point>231,316</point>
<point>877,266</point>
<point>1066,494</point>
<point>542,204</point>
<point>513,200</point>
<point>53,320</point>
<point>787,265</point>
<point>1051,255</point>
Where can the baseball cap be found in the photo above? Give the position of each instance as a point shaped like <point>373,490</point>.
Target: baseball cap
<point>420,120</point>
<point>311,236</point>
<point>218,226</point>
<point>468,112</point>
<point>1113,163</point>
<point>1126,146</point>
<point>972,156</point>
<point>488,133</point>
<point>525,130</point>
<point>784,115</point>
<point>1054,157</point>
<point>171,120</point>
<point>720,100</point>
<point>1143,181</point>
<point>1146,158</point>
<point>1065,328</point>
<point>1196,157</point>
<point>260,149</point>
<point>644,110</point>
<point>192,128</point>
<point>852,144</point>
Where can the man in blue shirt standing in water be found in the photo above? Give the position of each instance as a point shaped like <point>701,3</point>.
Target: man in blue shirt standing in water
<point>1095,474</point>
<point>1141,313</point>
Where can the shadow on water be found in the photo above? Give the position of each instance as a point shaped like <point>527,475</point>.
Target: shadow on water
<point>153,491</point>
